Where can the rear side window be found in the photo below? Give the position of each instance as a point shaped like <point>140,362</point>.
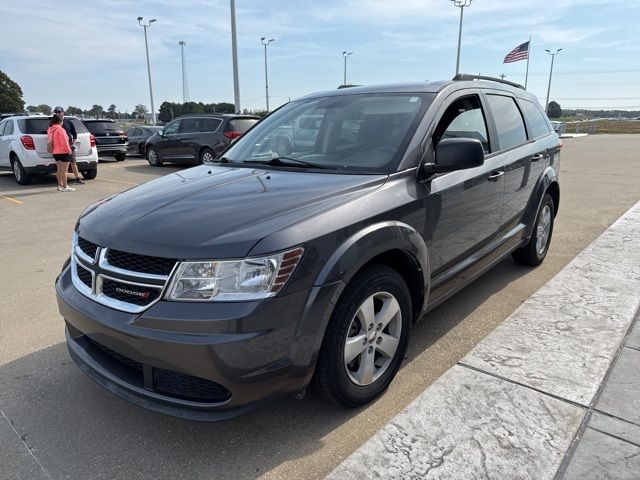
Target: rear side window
<point>102,128</point>
<point>2,127</point>
<point>463,119</point>
<point>8,130</point>
<point>190,125</point>
<point>539,124</point>
<point>241,124</point>
<point>508,120</point>
<point>210,124</point>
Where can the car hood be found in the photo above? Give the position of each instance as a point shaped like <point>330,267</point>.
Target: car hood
<point>216,212</point>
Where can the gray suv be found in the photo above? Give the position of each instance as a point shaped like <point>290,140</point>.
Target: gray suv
<point>210,291</point>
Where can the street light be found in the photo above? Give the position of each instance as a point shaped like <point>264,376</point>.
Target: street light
<point>185,87</point>
<point>146,46</point>
<point>461,4</point>
<point>345,55</point>
<point>546,103</point>
<point>266,43</point>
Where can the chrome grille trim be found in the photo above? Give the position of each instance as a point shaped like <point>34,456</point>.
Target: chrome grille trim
<point>78,257</point>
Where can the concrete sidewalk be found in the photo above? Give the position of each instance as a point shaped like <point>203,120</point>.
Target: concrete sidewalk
<point>552,393</point>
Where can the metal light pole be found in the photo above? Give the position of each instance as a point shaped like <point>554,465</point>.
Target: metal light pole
<point>266,43</point>
<point>146,46</point>
<point>234,49</point>
<point>460,4</point>
<point>345,55</point>
<point>546,103</point>
<point>185,87</point>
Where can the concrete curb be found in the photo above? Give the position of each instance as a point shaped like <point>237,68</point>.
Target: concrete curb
<point>517,405</point>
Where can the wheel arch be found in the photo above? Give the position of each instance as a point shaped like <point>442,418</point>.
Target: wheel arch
<point>548,182</point>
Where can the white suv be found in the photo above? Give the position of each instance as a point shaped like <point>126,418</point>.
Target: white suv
<point>23,148</point>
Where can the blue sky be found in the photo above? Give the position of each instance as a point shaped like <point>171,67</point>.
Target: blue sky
<point>81,53</point>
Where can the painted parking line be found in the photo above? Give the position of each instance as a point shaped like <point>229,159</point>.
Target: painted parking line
<point>18,202</point>
<point>117,181</point>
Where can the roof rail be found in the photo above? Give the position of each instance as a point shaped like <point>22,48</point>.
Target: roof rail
<point>466,76</point>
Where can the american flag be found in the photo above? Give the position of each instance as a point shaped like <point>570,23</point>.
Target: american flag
<point>521,52</point>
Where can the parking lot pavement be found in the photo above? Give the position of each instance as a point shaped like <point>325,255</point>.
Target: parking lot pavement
<point>77,430</point>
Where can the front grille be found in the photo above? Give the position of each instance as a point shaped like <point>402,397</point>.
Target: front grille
<point>87,247</point>
<point>168,382</point>
<point>125,292</point>
<point>84,275</point>
<point>140,263</point>
<point>188,387</point>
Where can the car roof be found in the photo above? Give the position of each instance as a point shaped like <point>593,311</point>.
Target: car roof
<point>97,120</point>
<point>48,117</point>
<point>216,115</point>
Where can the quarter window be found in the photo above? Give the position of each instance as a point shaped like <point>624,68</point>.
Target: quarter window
<point>210,124</point>
<point>463,119</point>
<point>508,120</point>
<point>8,130</point>
<point>2,126</point>
<point>537,120</point>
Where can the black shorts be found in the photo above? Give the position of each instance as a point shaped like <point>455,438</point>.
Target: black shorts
<point>62,157</point>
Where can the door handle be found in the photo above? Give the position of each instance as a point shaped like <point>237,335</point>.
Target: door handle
<point>495,175</point>
<point>537,158</point>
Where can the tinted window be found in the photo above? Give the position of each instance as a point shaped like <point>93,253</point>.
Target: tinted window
<point>538,121</point>
<point>102,128</point>
<point>241,124</point>
<point>171,128</point>
<point>508,121</point>
<point>134,132</point>
<point>8,129</point>
<point>2,126</point>
<point>210,124</point>
<point>190,125</point>
<point>463,119</point>
<point>39,125</point>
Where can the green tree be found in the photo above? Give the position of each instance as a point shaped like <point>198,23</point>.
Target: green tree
<point>44,108</point>
<point>111,111</point>
<point>32,108</point>
<point>10,95</point>
<point>554,110</point>
<point>140,110</point>
<point>96,111</point>
<point>225,107</point>
<point>168,111</point>
<point>74,110</point>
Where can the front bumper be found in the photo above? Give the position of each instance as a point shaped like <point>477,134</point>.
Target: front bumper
<point>254,352</point>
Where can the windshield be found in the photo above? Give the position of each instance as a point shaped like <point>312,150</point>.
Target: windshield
<point>351,133</point>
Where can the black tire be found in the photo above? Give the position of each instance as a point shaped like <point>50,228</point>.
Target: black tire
<point>120,156</point>
<point>283,147</point>
<point>90,174</point>
<point>333,377</point>
<point>533,253</point>
<point>153,158</point>
<point>141,150</point>
<point>19,173</point>
<point>206,155</point>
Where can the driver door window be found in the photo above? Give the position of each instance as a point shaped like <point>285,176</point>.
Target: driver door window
<point>463,119</point>
<point>171,128</point>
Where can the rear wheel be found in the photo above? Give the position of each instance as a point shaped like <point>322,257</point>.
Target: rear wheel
<point>141,149</point>
<point>206,155</point>
<point>366,338</point>
<point>153,158</point>
<point>21,176</point>
<point>90,174</point>
<point>534,252</point>
<point>120,156</point>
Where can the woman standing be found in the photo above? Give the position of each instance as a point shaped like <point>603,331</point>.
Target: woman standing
<point>58,139</point>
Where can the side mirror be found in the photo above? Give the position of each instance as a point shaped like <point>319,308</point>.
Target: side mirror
<point>455,154</point>
<point>161,133</point>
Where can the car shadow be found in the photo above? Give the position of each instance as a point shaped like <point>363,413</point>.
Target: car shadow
<point>164,169</point>
<point>77,429</point>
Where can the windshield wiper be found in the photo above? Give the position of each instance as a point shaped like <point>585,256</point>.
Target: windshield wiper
<point>286,162</point>
<point>222,160</point>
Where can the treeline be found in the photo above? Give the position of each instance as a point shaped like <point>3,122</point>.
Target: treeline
<point>170,110</point>
<point>581,112</point>
<point>97,111</point>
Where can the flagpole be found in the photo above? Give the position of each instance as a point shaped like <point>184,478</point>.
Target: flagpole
<point>526,75</point>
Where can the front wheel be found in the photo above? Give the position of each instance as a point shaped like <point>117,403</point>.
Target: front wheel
<point>90,174</point>
<point>153,158</point>
<point>534,252</point>
<point>206,156</point>
<point>366,338</point>
<point>20,174</point>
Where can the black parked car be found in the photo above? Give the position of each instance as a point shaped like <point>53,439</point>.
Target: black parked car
<point>208,292</point>
<point>110,138</point>
<point>138,136</point>
<point>196,138</point>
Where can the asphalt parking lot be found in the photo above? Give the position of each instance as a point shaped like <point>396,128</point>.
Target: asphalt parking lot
<point>74,429</point>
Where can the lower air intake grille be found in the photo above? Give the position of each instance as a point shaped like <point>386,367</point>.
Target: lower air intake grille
<point>188,387</point>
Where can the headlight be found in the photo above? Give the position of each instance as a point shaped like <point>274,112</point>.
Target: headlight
<point>233,280</point>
